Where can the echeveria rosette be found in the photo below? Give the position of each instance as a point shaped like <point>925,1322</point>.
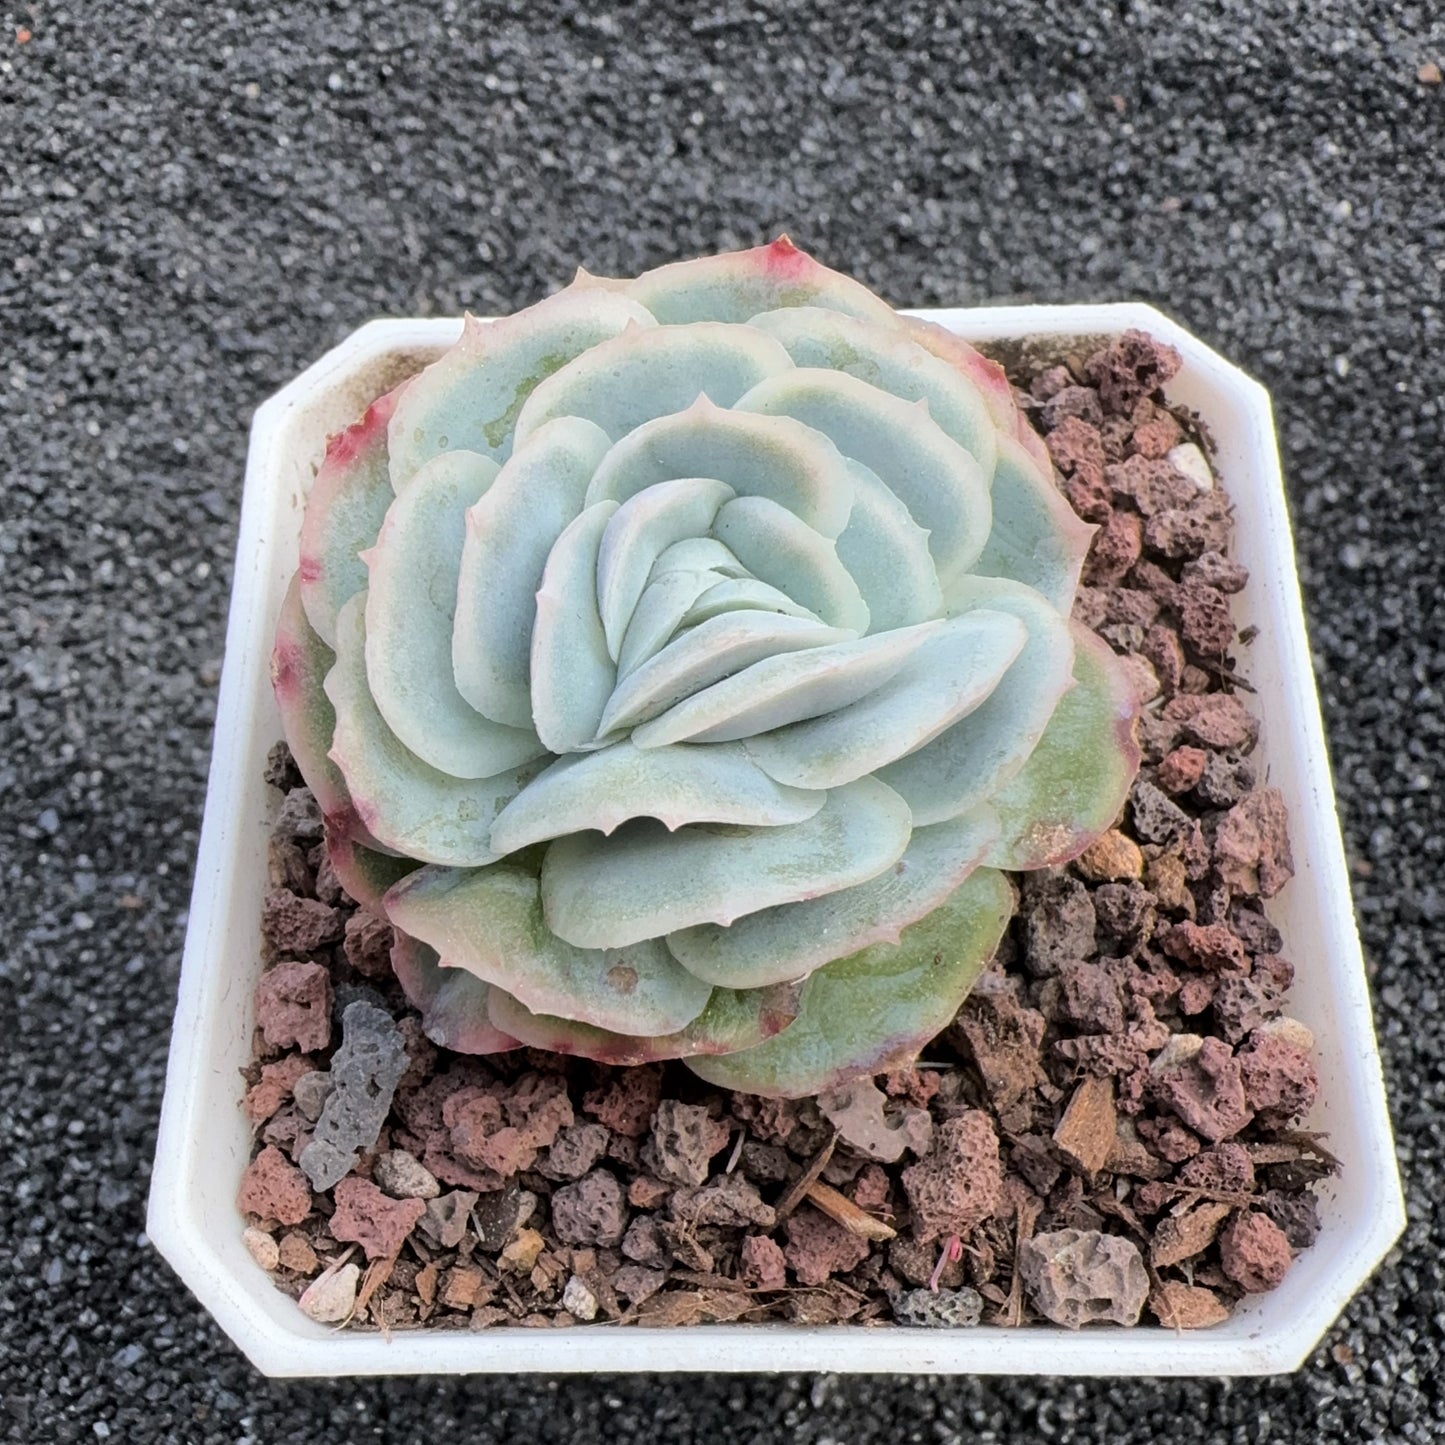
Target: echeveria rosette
<point>682,663</point>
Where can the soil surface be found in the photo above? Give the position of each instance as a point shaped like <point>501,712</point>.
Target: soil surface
<point>199,204</point>
<point>1108,1129</point>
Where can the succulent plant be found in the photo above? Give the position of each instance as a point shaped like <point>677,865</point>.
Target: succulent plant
<point>682,663</point>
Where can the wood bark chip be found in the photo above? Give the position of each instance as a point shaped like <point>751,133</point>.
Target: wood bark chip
<point>426,1286</point>
<point>377,1274</point>
<point>1182,1236</point>
<point>1025,1217</point>
<point>839,1208</point>
<point>800,1186</point>
<point>1087,1133</point>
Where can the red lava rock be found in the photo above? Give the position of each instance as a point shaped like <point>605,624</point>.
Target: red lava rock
<point>299,816</point>
<point>1080,1277</point>
<point>1091,606</point>
<point>1005,1039</point>
<point>1089,997</point>
<point>1197,994</point>
<point>1215,570</point>
<point>1226,779</point>
<point>645,1244</point>
<point>627,1101</point>
<point>472,1115</point>
<point>293,1006</point>
<point>957,1186</point>
<point>918,1086</point>
<point>727,1200</point>
<point>440,1161</point>
<point>1226,1167</point>
<point>1157,437</point>
<point>762,1263</point>
<point>1165,652</point>
<point>1071,401</point>
<point>684,1139</point>
<point>1125,911</point>
<point>368,1217</point>
<point>1206,1089</point>
<point>1132,605</point>
<point>1251,847</point>
<point>1153,486</point>
<point>287,868</point>
<point>1279,1077</point>
<point>274,1188</point>
<point>1183,767</point>
<point>420,1107</point>
<point>1132,366</point>
<point>818,1248</point>
<point>277,1080</point>
<point>1050,383</point>
<point>1153,579</point>
<point>420,1051</point>
<point>1254,1252</point>
<point>299,925</point>
<point>637,1284</point>
<point>1205,621</point>
<point>538,1105</point>
<point>1168,1138</point>
<point>577,1149</point>
<point>1242,1003</point>
<point>329,888</point>
<point>368,944</point>
<point>1078,450</point>
<point>1210,946</point>
<point>1088,495</point>
<point>1297,1214</point>
<point>1215,720</point>
<point>1118,1055</point>
<point>1157,818</point>
<point>1259,935</point>
<point>1058,921</point>
<point>1194,849</point>
<point>536,1108</point>
<point>870,1189</point>
<point>647,1193</point>
<point>1186,532</point>
<point>1116,547</point>
<point>591,1211</point>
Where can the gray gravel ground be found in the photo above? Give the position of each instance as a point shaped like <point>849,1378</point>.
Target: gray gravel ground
<point>198,200</point>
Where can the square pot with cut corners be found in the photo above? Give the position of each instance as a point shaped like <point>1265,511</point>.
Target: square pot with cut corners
<point>204,1140</point>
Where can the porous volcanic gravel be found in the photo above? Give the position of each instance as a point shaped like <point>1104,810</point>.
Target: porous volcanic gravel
<point>198,201</point>
<point>1107,1124</point>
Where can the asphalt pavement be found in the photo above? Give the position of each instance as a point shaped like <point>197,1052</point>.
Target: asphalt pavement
<point>197,200</point>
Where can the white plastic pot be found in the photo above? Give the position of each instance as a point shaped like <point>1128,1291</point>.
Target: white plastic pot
<point>205,1142</point>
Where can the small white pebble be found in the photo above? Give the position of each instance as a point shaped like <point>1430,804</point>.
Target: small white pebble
<point>403,1176</point>
<point>1189,461</point>
<point>330,1298</point>
<point>1179,1050</point>
<point>1292,1031</point>
<point>264,1249</point>
<point>578,1300</point>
